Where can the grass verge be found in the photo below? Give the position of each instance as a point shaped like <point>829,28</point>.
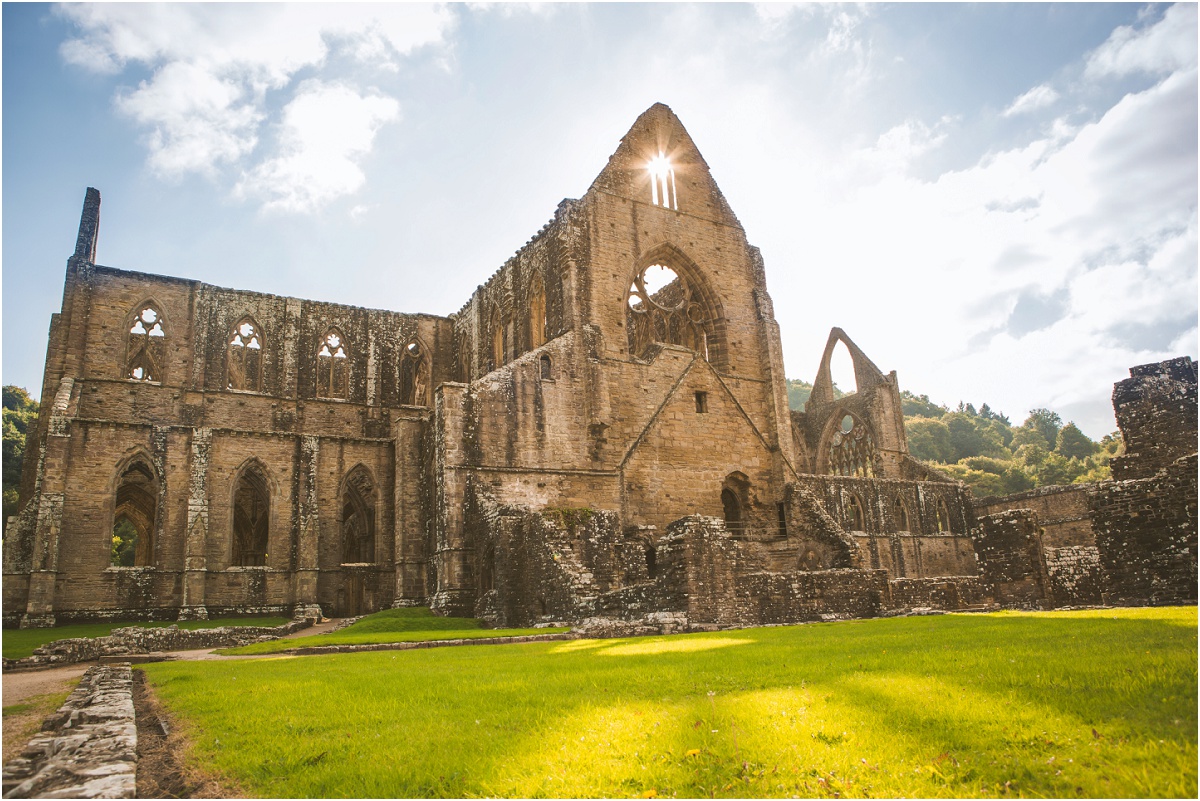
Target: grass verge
<point>1098,703</point>
<point>24,720</point>
<point>19,643</point>
<point>412,624</point>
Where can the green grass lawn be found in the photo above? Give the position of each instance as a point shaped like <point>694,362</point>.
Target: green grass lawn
<point>391,625</point>
<point>19,643</point>
<point>1098,703</point>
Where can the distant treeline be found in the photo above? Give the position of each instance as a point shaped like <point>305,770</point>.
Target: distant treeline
<point>984,449</point>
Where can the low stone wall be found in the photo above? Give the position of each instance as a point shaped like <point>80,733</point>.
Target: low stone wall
<point>139,640</point>
<point>1008,545</point>
<point>88,749</point>
<point>945,592</point>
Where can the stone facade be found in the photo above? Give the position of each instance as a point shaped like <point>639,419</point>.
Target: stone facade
<point>600,432</point>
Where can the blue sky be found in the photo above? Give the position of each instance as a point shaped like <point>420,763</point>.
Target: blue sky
<point>996,201</point>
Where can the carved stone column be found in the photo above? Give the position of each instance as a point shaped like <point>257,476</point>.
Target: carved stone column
<point>304,589</point>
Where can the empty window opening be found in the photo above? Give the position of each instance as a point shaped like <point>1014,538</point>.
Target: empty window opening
<point>251,518</point>
<point>497,343</point>
<point>546,368</point>
<point>854,514</point>
<point>134,516</point>
<point>662,308</point>
<point>651,561</point>
<point>358,518</point>
<point>146,346</point>
<point>841,370</point>
<point>414,375</point>
<point>943,516</point>
<point>900,513</point>
<point>243,357</point>
<point>333,369</point>
<point>851,449</point>
<point>662,182</point>
<point>781,508</point>
<point>541,607</point>
<point>701,402</point>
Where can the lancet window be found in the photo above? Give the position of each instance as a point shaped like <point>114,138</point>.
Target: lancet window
<point>251,517</point>
<point>943,516</point>
<point>855,519</point>
<point>333,368</point>
<point>243,357</point>
<point>358,518</point>
<point>900,514</point>
<point>661,307</point>
<point>134,516</point>
<point>662,182</point>
<point>146,347</point>
<point>414,375</point>
<point>851,449</point>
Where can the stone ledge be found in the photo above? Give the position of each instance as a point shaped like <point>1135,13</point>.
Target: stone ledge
<point>88,749</point>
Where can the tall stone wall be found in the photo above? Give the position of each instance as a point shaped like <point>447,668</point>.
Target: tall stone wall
<point>1156,412</point>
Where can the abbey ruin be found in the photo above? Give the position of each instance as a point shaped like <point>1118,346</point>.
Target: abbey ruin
<point>601,431</point>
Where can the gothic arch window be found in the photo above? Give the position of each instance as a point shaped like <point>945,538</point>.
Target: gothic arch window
<point>251,516</point>
<point>851,448</point>
<point>943,516</point>
<point>243,356</point>
<point>855,519</point>
<point>358,517</point>
<point>134,516</point>
<point>735,496</point>
<point>546,368</point>
<point>661,306</point>
<point>487,569</point>
<point>333,366</point>
<point>414,375</point>
<point>900,514</point>
<point>537,312</point>
<point>145,349</point>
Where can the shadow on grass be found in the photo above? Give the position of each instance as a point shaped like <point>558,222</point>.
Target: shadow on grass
<point>949,705</point>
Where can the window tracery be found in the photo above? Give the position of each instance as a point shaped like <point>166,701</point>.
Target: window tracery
<point>851,449</point>
<point>414,375</point>
<point>662,182</point>
<point>660,307</point>
<point>243,357</point>
<point>146,346</point>
<point>333,369</point>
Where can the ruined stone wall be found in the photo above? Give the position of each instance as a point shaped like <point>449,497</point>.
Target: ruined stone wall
<point>1062,513</point>
<point>1156,412</point>
<point>1146,536</point>
<point>1008,545</point>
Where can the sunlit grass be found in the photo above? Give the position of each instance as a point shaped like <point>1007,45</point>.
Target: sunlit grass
<point>19,643</point>
<point>415,624</point>
<point>1097,703</point>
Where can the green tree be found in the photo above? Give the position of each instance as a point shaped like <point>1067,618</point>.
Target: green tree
<point>919,405</point>
<point>1046,423</point>
<point>929,440</point>
<point>1028,436</point>
<point>20,413</point>
<point>1074,444</point>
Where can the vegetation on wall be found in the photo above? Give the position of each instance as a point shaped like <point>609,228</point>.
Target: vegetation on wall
<point>20,412</point>
<point>983,448</point>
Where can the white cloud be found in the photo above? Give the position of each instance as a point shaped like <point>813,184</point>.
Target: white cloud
<point>325,133</point>
<point>1038,97</point>
<point>215,66</point>
<point>1168,45</point>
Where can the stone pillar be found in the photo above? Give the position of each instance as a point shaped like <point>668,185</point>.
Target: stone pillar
<point>413,473</point>
<point>304,588</point>
<point>195,556</point>
<point>451,445</point>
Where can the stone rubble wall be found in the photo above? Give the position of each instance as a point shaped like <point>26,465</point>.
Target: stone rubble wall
<point>943,592</point>
<point>1073,574</point>
<point>138,640</point>
<point>1008,545</point>
<point>88,749</point>
<point>1146,536</point>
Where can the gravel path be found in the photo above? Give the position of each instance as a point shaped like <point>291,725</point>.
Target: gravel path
<point>25,684</point>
